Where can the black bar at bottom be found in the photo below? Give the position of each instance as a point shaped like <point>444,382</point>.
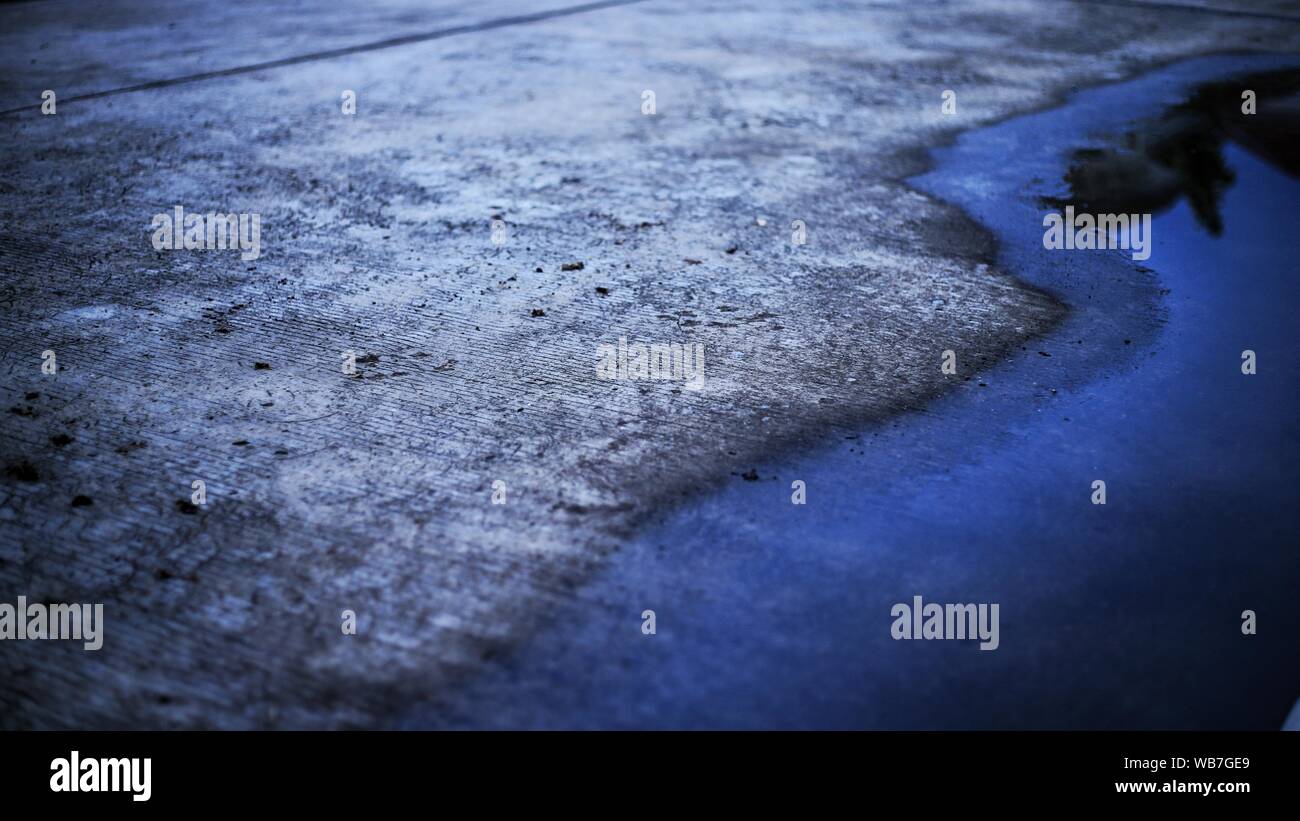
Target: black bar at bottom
<point>216,770</point>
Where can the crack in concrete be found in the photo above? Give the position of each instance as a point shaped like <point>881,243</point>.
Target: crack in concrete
<point>1142,4</point>
<point>329,54</point>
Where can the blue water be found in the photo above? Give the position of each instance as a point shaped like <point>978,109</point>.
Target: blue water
<point>1125,615</point>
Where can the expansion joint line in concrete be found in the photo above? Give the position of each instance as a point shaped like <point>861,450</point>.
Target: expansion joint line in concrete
<point>392,42</point>
<point>1221,12</point>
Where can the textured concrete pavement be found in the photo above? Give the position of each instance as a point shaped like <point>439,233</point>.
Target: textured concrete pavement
<point>372,492</point>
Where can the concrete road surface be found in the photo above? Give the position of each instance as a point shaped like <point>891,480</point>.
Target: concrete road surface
<point>520,184</point>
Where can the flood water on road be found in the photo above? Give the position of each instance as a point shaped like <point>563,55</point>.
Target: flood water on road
<point>1123,615</point>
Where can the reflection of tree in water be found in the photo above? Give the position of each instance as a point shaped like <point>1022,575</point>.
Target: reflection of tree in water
<point>1181,153</point>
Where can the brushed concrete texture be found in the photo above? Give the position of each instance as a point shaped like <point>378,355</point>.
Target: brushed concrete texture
<point>372,492</point>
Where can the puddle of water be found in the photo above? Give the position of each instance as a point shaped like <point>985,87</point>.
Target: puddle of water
<point>1180,154</point>
<point>1118,616</point>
